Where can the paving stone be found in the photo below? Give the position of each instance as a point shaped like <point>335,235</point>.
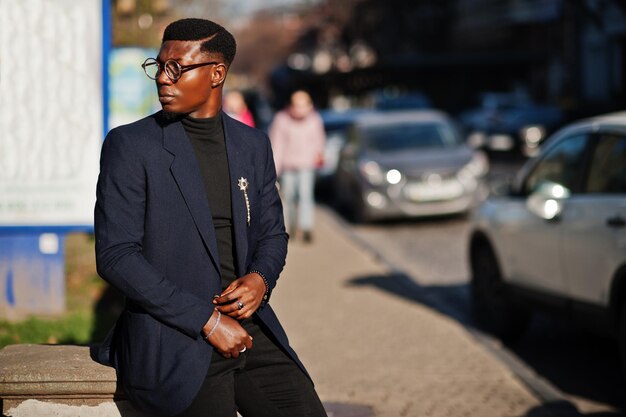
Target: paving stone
<point>369,347</point>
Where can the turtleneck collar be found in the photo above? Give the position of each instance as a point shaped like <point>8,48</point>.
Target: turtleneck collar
<point>203,128</point>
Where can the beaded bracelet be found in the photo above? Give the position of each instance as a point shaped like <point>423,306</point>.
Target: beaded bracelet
<point>267,285</point>
<point>217,321</point>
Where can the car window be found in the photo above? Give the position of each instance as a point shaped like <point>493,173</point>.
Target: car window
<point>560,165</point>
<point>607,173</point>
<point>407,136</point>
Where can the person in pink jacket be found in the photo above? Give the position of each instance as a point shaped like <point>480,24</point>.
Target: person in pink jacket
<point>298,140</point>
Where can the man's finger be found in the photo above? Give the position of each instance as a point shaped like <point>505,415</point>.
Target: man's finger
<point>228,309</point>
<point>232,287</point>
<point>227,298</point>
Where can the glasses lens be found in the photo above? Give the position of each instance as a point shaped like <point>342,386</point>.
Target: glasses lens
<point>151,67</point>
<point>173,69</point>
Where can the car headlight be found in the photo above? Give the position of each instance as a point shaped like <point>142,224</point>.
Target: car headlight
<point>371,172</point>
<point>533,135</point>
<point>393,176</point>
<point>375,175</point>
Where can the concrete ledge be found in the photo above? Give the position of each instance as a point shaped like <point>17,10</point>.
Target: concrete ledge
<point>63,380</point>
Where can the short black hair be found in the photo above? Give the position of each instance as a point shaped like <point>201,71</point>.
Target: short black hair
<point>216,39</point>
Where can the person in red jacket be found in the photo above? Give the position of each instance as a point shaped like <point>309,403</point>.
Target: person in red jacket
<point>235,106</point>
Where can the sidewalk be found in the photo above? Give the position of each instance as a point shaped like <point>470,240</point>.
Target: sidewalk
<point>367,347</point>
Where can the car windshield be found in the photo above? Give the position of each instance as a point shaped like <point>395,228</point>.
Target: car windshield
<point>405,136</point>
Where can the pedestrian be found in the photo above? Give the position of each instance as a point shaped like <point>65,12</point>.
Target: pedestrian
<point>189,226</point>
<point>298,140</point>
<point>235,106</point>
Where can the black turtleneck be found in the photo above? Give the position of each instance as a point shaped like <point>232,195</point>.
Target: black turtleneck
<point>207,138</point>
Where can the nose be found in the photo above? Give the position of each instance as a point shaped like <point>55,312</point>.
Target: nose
<point>162,78</point>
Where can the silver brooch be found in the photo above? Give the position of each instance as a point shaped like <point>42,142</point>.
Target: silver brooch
<point>242,183</point>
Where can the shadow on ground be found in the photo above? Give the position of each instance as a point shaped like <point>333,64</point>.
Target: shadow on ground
<point>576,362</point>
<point>563,409</point>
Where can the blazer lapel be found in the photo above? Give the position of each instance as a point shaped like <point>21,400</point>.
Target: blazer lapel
<point>238,168</point>
<point>186,173</point>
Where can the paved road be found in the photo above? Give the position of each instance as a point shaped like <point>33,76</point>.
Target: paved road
<point>581,367</point>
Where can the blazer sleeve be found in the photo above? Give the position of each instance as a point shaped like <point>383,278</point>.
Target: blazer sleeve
<point>119,229</point>
<point>271,250</point>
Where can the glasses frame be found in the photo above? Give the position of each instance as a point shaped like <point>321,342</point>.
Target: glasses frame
<point>162,67</point>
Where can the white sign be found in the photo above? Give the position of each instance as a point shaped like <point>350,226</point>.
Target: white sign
<point>51,114</point>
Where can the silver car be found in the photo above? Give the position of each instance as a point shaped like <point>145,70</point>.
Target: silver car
<point>557,238</point>
<point>407,164</point>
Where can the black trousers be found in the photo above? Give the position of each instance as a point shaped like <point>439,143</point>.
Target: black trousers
<point>261,382</point>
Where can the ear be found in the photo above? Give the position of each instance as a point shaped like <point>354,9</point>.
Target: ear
<point>218,75</point>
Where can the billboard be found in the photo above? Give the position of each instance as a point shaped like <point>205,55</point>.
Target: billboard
<point>51,110</point>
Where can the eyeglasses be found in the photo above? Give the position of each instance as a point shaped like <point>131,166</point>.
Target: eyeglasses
<point>173,69</point>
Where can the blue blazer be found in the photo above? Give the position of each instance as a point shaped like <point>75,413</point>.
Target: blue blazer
<point>155,241</point>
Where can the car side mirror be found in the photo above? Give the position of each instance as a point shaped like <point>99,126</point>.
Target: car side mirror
<point>547,200</point>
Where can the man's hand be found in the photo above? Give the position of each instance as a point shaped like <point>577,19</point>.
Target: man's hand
<point>242,297</point>
<point>229,338</point>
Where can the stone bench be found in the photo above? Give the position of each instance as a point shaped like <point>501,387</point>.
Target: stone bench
<point>54,380</point>
<point>64,381</point>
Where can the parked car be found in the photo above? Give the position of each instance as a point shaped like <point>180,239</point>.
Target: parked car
<point>336,125</point>
<point>510,122</point>
<point>556,240</point>
<point>406,164</point>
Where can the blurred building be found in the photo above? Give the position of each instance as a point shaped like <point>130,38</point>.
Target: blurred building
<point>566,52</point>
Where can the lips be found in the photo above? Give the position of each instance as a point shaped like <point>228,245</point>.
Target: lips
<point>165,98</point>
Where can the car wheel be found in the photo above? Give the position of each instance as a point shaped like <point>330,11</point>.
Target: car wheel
<point>341,197</point>
<point>359,212</point>
<point>491,309</point>
<point>622,337</point>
